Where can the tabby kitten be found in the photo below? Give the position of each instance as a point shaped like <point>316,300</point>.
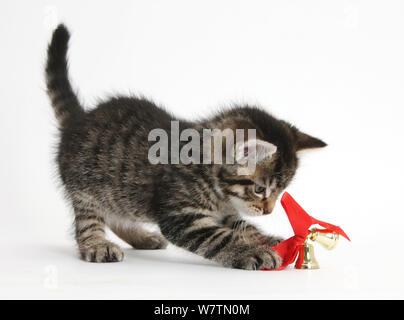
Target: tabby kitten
<point>103,163</point>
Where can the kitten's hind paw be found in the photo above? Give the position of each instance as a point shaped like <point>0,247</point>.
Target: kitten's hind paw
<point>151,242</point>
<point>102,252</point>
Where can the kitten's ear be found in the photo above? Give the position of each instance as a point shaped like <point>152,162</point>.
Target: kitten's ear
<point>255,149</point>
<point>305,141</point>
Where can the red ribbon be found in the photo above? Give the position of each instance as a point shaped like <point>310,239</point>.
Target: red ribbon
<point>300,221</point>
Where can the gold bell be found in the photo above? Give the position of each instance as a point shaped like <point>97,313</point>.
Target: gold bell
<point>306,258</point>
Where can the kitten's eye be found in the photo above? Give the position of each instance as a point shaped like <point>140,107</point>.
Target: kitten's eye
<point>259,189</point>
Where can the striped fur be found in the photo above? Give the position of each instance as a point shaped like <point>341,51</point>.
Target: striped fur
<point>103,164</point>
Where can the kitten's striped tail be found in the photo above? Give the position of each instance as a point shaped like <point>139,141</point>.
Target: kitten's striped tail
<point>63,99</point>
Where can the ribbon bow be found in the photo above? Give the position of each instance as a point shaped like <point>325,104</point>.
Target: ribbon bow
<point>300,221</point>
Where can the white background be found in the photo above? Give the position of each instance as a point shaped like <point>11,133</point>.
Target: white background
<point>333,68</point>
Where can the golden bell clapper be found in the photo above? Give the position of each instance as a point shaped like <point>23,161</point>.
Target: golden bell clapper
<point>328,240</point>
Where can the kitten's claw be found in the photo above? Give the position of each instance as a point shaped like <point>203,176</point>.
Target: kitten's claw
<point>102,252</point>
<point>257,258</point>
<point>271,241</point>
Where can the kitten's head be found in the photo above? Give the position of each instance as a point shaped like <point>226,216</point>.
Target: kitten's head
<point>275,149</point>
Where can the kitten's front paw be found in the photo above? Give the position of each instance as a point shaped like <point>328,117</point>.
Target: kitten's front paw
<point>102,252</point>
<point>271,241</point>
<point>257,258</point>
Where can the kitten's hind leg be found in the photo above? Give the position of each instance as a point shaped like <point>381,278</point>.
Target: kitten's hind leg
<point>90,237</point>
<point>139,238</point>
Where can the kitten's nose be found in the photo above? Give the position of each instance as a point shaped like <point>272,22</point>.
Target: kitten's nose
<point>268,206</point>
<point>266,211</point>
